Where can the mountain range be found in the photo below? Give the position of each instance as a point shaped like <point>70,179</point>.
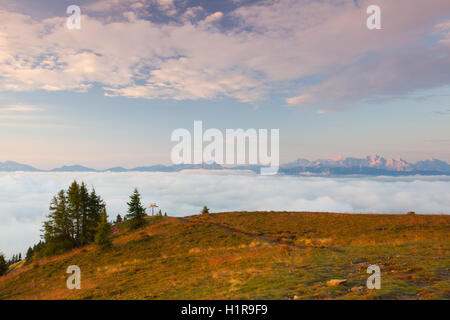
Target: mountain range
<point>370,165</point>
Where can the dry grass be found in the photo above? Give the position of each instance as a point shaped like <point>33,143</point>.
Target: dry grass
<point>195,259</point>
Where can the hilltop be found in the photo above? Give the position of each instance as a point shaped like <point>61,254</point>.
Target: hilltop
<point>252,255</point>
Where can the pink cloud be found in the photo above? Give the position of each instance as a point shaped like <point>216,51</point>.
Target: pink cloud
<point>274,43</point>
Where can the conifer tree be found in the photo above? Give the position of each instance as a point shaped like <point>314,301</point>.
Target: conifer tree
<point>72,221</point>
<point>136,211</point>
<point>58,229</point>
<point>118,219</point>
<point>84,211</point>
<point>74,209</point>
<point>3,264</point>
<point>102,239</point>
<point>29,254</point>
<point>205,210</point>
<point>95,209</point>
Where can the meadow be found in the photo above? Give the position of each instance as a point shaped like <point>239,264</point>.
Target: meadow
<point>252,255</point>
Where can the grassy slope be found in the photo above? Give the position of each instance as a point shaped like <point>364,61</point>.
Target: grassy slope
<point>255,255</point>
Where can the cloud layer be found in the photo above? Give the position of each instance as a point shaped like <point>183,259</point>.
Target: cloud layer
<point>25,197</point>
<point>156,49</point>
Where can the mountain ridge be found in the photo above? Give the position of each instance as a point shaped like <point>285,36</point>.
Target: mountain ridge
<point>249,255</point>
<point>370,165</point>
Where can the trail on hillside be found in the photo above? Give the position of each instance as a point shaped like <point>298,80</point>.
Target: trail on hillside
<point>255,236</point>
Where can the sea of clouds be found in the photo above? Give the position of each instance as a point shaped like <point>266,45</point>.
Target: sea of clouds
<point>25,197</point>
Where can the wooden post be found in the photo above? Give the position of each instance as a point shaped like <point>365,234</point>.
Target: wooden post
<point>153,206</point>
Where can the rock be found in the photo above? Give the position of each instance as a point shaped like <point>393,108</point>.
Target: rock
<point>357,289</point>
<point>335,282</point>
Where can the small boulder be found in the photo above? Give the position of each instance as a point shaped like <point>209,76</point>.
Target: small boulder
<point>335,282</point>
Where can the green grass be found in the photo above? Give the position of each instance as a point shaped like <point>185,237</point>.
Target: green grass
<point>196,258</point>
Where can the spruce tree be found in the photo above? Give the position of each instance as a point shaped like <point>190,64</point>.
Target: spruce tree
<point>136,211</point>
<point>84,211</point>
<point>102,239</point>
<point>118,219</point>
<point>205,210</point>
<point>74,209</point>
<point>29,254</point>
<point>3,264</point>
<point>95,209</point>
<point>59,234</point>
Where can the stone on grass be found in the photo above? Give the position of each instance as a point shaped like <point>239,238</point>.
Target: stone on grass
<point>357,289</point>
<point>335,282</point>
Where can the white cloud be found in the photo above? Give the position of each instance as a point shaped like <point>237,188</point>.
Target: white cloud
<point>213,17</point>
<point>21,115</point>
<point>25,196</point>
<point>272,44</point>
<point>19,108</point>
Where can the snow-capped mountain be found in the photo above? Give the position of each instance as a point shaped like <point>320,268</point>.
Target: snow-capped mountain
<point>373,162</point>
<point>370,165</point>
<point>432,164</point>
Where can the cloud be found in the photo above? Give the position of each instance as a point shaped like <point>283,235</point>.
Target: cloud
<point>213,17</point>
<point>25,196</point>
<point>264,47</point>
<point>443,112</point>
<point>26,116</point>
<point>381,76</point>
<point>298,100</point>
<point>19,108</point>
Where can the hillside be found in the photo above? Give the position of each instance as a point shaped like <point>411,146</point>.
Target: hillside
<point>252,255</point>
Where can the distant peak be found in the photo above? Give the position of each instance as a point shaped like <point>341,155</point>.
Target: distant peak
<point>337,158</point>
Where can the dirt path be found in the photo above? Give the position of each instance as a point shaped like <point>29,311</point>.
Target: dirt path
<point>251,235</point>
<point>258,237</point>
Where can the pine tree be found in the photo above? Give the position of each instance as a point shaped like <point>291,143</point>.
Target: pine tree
<point>102,239</point>
<point>118,219</point>
<point>58,229</point>
<point>165,214</point>
<point>136,211</point>
<point>84,212</point>
<point>29,254</point>
<point>205,210</point>
<point>3,264</point>
<point>74,209</point>
<point>95,209</point>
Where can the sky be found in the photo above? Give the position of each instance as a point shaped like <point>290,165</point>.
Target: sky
<point>112,92</point>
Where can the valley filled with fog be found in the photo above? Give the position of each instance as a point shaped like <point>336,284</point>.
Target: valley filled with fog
<point>25,197</point>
